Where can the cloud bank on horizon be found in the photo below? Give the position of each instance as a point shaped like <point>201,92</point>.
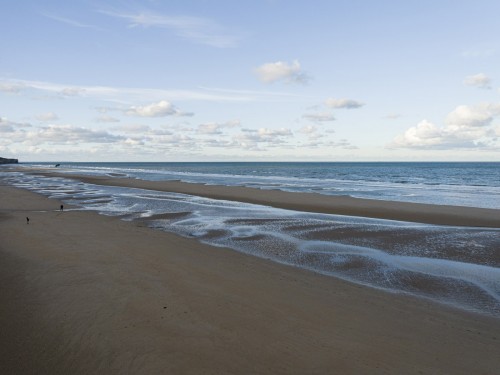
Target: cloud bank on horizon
<point>152,81</point>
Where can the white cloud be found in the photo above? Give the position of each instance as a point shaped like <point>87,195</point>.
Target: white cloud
<point>161,109</point>
<point>311,131</point>
<point>345,144</point>
<point>424,135</point>
<point>269,133</point>
<point>67,134</point>
<point>133,142</point>
<point>317,141</point>
<point>343,103</point>
<point>308,129</point>
<point>6,127</point>
<point>319,117</point>
<point>259,139</point>
<point>9,87</point>
<point>72,91</point>
<point>48,116</point>
<point>177,141</point>
<point>465,127</point>
<point>216,128</point>
<point>281,71</point>
<point>392,116</point>
<point>480,80</point>
<point>246,141</point>
<point>196,29</point>
<point>11,126</point>
<point>130,95</point>
<point>134,128</point>
<point>467,116</point>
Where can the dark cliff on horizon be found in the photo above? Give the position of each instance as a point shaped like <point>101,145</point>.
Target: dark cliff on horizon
<point>8,161</point>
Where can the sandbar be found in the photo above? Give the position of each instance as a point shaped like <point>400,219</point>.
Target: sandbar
<point>311,202</point>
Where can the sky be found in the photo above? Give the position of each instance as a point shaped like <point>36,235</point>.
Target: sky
<point>261,80</point>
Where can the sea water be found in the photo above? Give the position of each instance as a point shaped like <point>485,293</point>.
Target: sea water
<point>454,265</point>
<point>458,184</point>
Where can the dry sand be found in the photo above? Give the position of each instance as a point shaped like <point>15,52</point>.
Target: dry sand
<point>88,294</point>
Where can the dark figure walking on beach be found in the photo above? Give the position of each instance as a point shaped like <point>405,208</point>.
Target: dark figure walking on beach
<point>62,207</point>
<point>27,220</point>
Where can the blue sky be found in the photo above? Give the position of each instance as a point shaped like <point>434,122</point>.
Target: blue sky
<point>250,80</point>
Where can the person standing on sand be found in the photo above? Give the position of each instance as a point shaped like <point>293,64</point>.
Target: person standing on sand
<point>27,220</point>
<point>62,207</point>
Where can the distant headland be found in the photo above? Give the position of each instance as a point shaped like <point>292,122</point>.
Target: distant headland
<point>8,161</point>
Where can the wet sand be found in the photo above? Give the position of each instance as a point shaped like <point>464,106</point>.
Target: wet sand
<point>89,294</point>
<point>312,202</point>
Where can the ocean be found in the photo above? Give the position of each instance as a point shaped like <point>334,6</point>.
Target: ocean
<point>459,184</point>
<point>459,266</point>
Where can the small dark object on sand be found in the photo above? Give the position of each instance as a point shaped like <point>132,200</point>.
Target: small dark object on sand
<point>27,220</point>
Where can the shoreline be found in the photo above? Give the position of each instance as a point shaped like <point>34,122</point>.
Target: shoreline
<point>311,202</point>
<point>87,293</point>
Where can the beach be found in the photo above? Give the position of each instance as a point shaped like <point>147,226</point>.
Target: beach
<point>310,202</point>
<point>86,293</point>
